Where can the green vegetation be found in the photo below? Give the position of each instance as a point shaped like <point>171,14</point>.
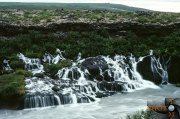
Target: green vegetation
<point>45,16</point>
<point>55,67</point>
<point>177,85</point>
<point>16,65</point>
<point>144,115</point>
<point>12,85</point>
<point>35,44</point>
<point>67,6</point>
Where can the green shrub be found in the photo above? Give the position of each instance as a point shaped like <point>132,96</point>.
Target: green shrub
<point>75,18</point>
<point>36,19</point>
<point>23,72</point>
<point>104,33</point>
<point>33,55</point>
<point>16,65</point>
<point>144,115</point>
<point>142,19</point>
<point>177,85</point>
<point>49,20</point>
<point>55,67</point>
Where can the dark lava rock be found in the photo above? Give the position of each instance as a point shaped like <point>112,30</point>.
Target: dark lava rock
<point>93,64</point>
<point>55,88</point>
<point>40,75</point>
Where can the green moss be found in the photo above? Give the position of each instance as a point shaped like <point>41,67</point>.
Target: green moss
<point>16,65</point>
<point>13,84</point>
<point>55,67</point>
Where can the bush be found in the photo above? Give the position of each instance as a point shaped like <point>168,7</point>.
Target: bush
<point>36,19</point>
<point>177,85</point>
<point>104,33</point>
<point>33,55</point>
<point>55,67</point>
<point>142,19</point>
<point>23,72</point>
<point>16,65</point>
<point>144,115</point>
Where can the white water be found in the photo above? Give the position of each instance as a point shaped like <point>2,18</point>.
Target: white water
<point>113,107</point>
<point>160,68</point>
<point>7,67</point>
<point>73,86</point>
<point>77,89</point>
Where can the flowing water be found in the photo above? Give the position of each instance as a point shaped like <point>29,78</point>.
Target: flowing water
<point>73,94</point>
<point>114,107</point>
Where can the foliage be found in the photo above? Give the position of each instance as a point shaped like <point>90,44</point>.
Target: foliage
<point>177,85</point>
<point>143,115</point>
<point>55,67</point>
<point>142,19</point>
<point>34,45</point>
<point>16,65</point>
<point>13,84</point>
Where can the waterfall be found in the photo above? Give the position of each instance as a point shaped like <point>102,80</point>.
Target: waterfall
<point>31,64</point>
<point>159,67</point>
<point>75,84</point>
<point>7,67</point>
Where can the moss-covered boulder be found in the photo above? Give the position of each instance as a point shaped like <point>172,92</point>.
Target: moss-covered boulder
<point>53,68</point>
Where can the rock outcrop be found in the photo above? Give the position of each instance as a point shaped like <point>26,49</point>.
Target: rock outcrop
<point>116,28</point>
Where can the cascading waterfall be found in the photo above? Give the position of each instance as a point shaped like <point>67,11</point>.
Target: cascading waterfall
<point>75,84</point>
<point>159,67</point>
<point>7,67</point>
<point>31,64</point>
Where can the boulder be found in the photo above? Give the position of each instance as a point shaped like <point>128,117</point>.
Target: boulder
<point>40,75</point>
<point>93,65</point>
<point>55,88</point>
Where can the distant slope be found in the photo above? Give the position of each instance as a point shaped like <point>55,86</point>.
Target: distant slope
<point>68,6</point>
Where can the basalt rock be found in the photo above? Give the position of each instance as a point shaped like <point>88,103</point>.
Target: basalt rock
<point>117,27</point>
<point>93,65</point>
<point>144,68</point>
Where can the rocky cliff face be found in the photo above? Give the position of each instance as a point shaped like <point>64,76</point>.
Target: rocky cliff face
<point>144,68</point>
<point>117,28</point>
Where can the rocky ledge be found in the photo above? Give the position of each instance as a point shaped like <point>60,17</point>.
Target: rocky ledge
<point>142,23</point>
<point>118,28</point>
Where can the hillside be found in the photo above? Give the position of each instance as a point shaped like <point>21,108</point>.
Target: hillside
<point>68,6</point>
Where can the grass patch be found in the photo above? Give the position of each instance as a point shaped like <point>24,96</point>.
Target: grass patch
<point>12,85</point>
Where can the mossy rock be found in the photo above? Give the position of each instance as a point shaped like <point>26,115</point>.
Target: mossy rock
<point>16,65</point>
<point>12,85</point>
<point>55,67</point>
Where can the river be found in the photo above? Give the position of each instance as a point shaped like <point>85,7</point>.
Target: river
<point>113,107</point>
